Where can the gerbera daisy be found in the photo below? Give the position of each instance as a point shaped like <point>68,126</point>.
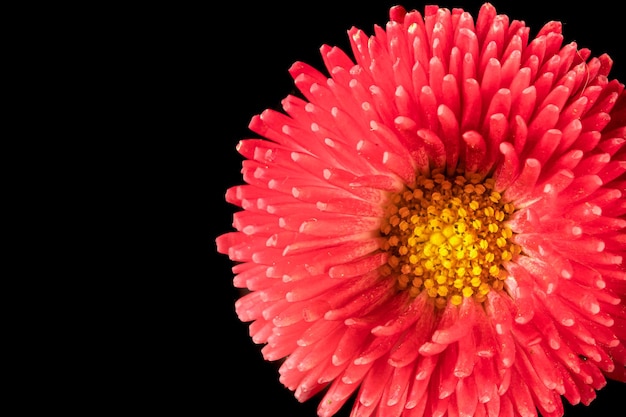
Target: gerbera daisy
<point>437,226</point>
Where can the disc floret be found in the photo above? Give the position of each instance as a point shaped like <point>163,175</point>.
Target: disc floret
<point>449,237</point>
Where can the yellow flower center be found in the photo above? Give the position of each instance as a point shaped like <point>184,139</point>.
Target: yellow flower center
<point>448,237</point>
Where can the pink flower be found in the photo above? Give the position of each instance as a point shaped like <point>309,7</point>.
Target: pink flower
<point>438,227</point>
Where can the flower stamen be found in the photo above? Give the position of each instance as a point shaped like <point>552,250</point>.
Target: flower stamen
<point>449,237</point>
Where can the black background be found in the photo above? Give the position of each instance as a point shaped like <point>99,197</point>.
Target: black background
<point>249,48</point>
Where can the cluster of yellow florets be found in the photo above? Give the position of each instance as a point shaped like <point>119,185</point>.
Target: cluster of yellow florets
<point>448,237</point>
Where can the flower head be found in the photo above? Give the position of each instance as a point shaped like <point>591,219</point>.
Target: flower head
<point>437,226</point>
